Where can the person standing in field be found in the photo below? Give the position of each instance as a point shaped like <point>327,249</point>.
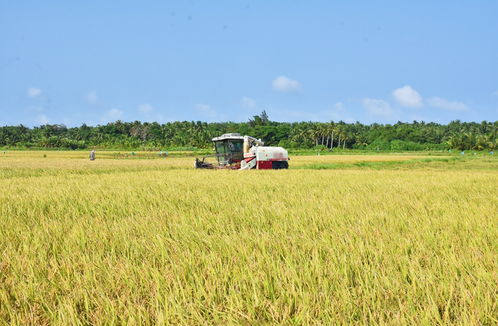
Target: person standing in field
<point>92,155</point>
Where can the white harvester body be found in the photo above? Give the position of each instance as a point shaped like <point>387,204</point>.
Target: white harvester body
<point>265,157</point>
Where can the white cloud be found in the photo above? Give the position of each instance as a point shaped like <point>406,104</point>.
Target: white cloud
<point>206,110</point>
<point>294,115</point>
<point>35,109</point>
<point>285,84</point>
<point>495,93</point>
<point>248,102</point>
<point>339,112</point>
<point>415,117</point>
<point>42,119</point>
<point>92,97</point>
<point>336,113</point>
<point>378,107</point>
<point>407,96</point>
<point>145,108</point>
<point>68,122</point>
<point>34,92</point>
<point>160,118</point>
<point>112,115</point>
<point>445,104</point>
<point>339,106</point>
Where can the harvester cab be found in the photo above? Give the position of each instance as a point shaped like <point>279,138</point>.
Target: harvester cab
<point>229,149</point>
<point>237,152</point>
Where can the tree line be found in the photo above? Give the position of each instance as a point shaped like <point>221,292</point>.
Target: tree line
<point>303,135</point>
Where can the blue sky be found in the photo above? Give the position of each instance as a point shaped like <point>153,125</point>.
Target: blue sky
<point>373,61</point>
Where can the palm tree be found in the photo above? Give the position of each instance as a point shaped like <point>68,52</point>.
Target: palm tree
<point>330,132</point>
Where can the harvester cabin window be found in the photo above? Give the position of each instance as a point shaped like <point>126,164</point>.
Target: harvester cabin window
<point>236,150</point>
<point>220,148</point>
<point>235,147</point>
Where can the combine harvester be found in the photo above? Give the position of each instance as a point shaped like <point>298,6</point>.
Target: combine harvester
<point>237,152</point>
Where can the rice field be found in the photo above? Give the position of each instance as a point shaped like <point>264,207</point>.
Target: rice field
<point>342,239</point>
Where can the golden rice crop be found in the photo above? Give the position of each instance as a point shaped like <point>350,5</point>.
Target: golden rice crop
<point>138,241</point>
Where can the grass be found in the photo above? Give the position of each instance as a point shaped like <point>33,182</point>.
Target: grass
<point>373,240</point>
<point>377,164</point>
<point>410,163</point>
